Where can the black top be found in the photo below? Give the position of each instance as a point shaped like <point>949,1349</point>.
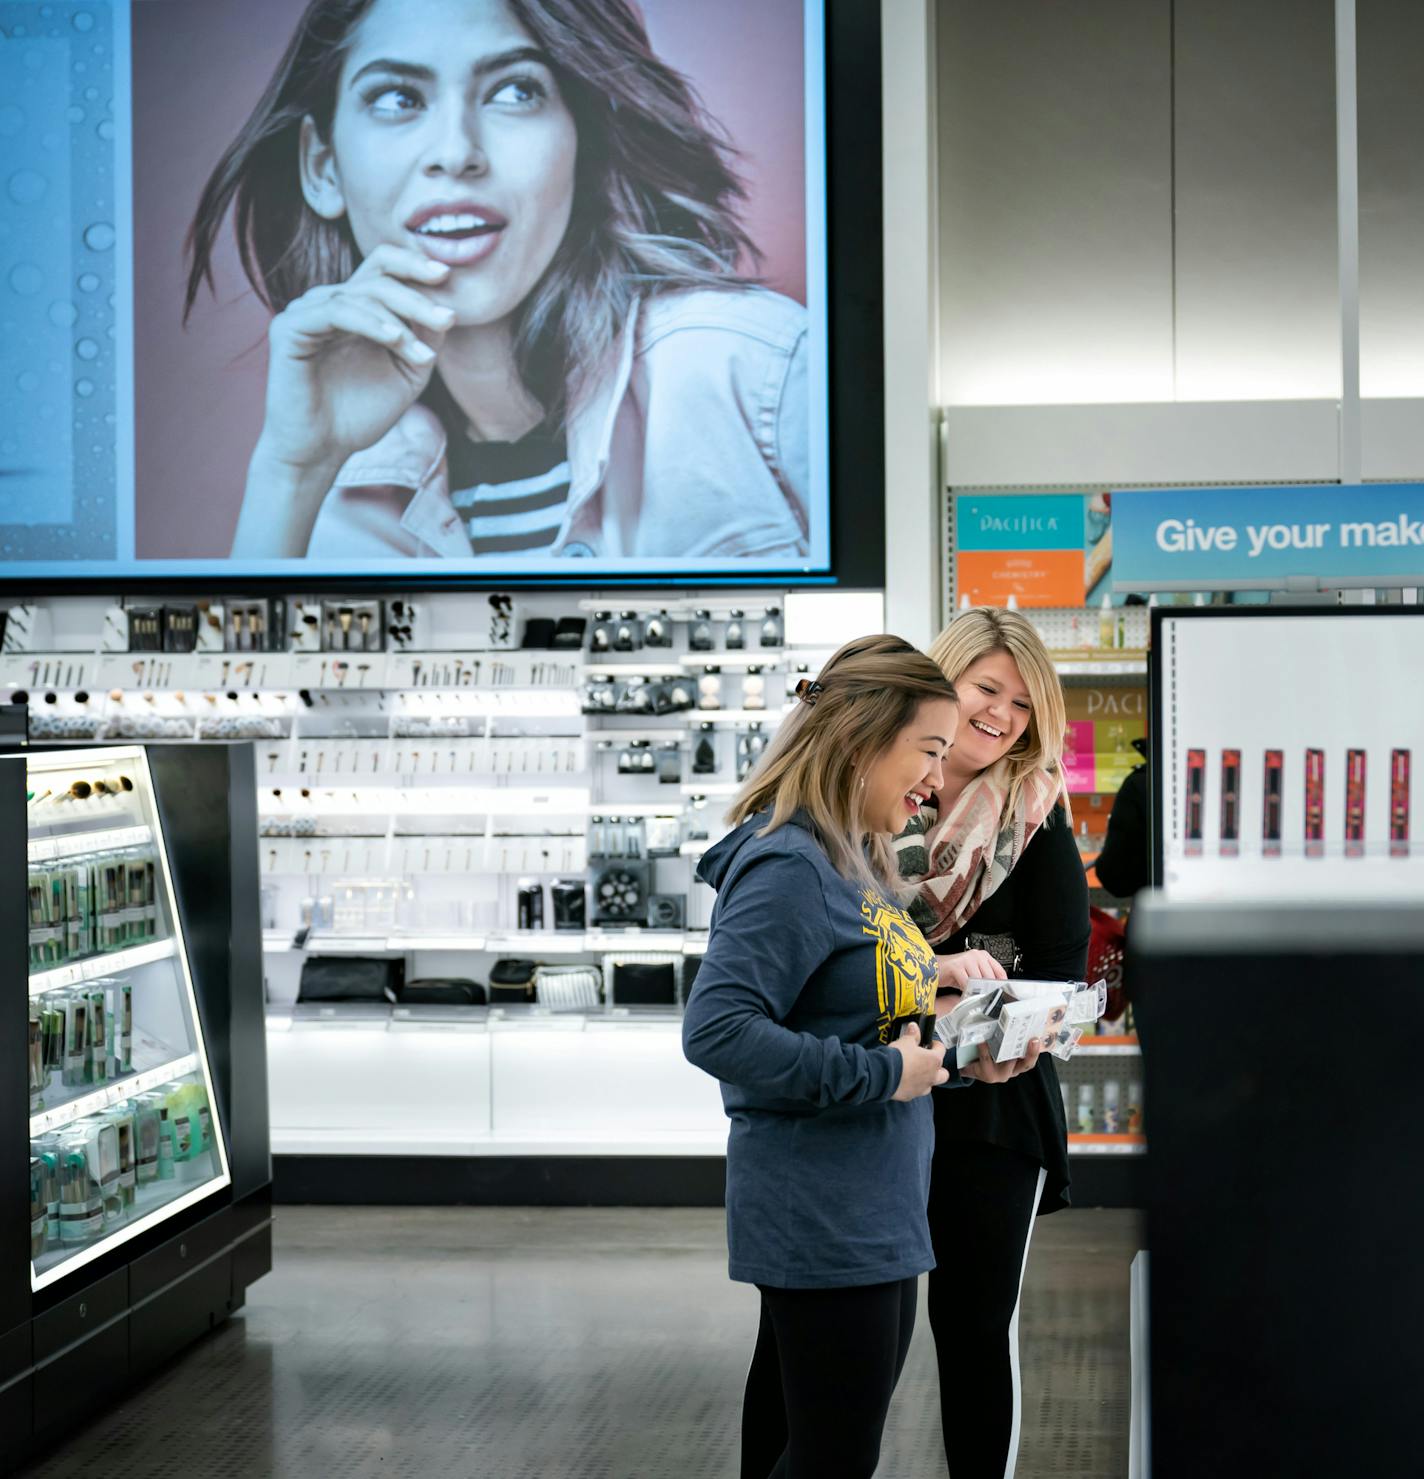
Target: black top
<point>511,495</point>
<point>1043,905</point>
<point>1125,863</point>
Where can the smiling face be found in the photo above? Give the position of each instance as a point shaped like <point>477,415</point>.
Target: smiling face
<point>450,136</point>
<point>994,712</point>
<point>904,776</point>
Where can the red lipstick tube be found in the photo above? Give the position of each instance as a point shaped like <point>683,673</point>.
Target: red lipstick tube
<point>1196,802</point>
<point>1271,807</point>
<point>1315,803</point>
<point>1399,803</point>
<point>1230,803</point>
<point>1354,803</point>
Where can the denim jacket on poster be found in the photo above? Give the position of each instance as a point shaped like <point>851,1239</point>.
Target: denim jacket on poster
<point>693,444</point>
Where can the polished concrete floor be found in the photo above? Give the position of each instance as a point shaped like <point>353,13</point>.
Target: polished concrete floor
<point>421,1343</point>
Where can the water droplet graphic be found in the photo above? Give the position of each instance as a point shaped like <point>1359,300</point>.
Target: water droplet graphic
<point>28,380</point>
<point>88,282</point>
<point>83,21</point>
<point>99,237</point>
<point>91,94</point>
<point>26,279</point>
<point>87,349</point>
<point>27,186</point>
<point>84,387</point>
<point>12,120</point>
<point>74,113</point>
<point>109,418</point>
<point>62,314</point>
<point>106,129</point>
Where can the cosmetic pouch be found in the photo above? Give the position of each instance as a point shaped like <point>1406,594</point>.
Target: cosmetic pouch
<point>643,983</point>
<point>351,978</point>
<point>568,635</point>
<point>538,632</point>
<point>442,991</point>
<point>512,980</point>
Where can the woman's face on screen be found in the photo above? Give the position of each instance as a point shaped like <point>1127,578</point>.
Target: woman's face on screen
<point>450,136</point>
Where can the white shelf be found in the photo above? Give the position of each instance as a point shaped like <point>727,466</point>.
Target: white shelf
<point>1075,1147</point>
<point>76,844</point>
<point>633,669</point>
<point>535,944</point>
<point>1087,1048</point>
<point>1130,667</point>
<point>711,788</point>
<point>365,1141</point>
<point>770,717</point>
<point>113,964</point>
<point>738,660</point>
<point>111,1093</point>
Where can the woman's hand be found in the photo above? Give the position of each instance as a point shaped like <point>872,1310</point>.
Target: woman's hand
<point>989,1072</point>
<point>969,965</point>
<point>923,1069</point>
<point>346,361</point>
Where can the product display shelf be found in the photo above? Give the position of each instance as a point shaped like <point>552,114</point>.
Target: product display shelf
<point>1128,1145</point>
<point>121,1094</point>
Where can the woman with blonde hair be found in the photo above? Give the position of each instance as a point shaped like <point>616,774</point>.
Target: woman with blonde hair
<point>809,1007</point>
<point>999,890</point>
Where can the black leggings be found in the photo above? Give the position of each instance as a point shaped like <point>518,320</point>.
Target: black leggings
<point>825,1365</point>
<point>982,1203</point>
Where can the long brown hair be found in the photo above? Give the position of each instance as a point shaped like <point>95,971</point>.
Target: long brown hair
<point>984,629</point>
<point>870,690</point>
<point>657,199</point>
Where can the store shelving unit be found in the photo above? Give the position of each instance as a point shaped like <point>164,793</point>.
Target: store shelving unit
<point>136,1130</point>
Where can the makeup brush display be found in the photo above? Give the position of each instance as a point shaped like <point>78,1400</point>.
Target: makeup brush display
<point>92,905</point>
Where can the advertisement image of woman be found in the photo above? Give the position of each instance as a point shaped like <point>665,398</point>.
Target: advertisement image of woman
<point>999,891</point>
<point>501,243</point>
<point>807,1009</point>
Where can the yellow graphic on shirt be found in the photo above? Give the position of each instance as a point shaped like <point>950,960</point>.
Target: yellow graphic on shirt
<point>905,974</point>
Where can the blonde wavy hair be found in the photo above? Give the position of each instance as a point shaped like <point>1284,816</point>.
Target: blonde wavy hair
<point>985,629</point>
<point>870,690</point>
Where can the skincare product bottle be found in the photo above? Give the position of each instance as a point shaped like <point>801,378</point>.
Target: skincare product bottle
<point>1106,624</point>
<point>736,637</point>
<point>1086,1126</point>
<point>1112,1107</point>
<point>773,632</point>
<point>1134,1108</point>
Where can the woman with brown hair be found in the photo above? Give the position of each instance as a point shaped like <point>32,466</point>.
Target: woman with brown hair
<point>809,1008</point>
<point>999,889</point>
<point>501,242</point>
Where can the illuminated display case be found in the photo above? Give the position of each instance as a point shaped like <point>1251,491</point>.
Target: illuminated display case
<point>134,1140</point>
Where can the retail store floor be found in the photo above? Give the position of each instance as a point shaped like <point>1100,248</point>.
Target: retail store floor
<point>449,1343</point>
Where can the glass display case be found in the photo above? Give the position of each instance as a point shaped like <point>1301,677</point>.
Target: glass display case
<point>124,1124</point>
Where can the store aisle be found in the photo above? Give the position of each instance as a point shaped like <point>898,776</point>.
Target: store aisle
<point>450,1343</point>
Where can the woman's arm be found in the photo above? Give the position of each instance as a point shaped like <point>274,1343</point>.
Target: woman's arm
<point>1051,926</point>
<point>771,934</point>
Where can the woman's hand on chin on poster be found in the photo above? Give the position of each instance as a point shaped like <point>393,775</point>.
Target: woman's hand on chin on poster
<point>346,361</point>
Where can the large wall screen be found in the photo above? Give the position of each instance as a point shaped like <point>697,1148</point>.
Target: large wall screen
<point>413,289</point>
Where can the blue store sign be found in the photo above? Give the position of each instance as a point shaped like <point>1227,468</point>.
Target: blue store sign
<point>1268,538</point>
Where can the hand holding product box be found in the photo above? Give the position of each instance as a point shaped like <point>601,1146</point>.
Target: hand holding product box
<point>1009,1016</point>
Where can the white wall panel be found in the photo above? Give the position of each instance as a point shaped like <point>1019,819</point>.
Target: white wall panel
<point>1055,201</point>
<point>1257,312</point>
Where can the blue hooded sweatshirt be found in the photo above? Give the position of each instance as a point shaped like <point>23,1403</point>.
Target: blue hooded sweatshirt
<point>793,1009</point>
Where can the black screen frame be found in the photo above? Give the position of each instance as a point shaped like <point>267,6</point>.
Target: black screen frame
<point>856,380</point>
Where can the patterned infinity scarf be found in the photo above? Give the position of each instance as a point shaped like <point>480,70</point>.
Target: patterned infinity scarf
<point>950,865</point>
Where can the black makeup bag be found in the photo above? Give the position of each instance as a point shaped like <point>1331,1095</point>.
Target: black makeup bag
<point>442,991</point>
<point>351,978</point>
<point>512,980</point>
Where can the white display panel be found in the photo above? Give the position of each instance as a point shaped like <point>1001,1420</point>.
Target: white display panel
<point>1342,692</point>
